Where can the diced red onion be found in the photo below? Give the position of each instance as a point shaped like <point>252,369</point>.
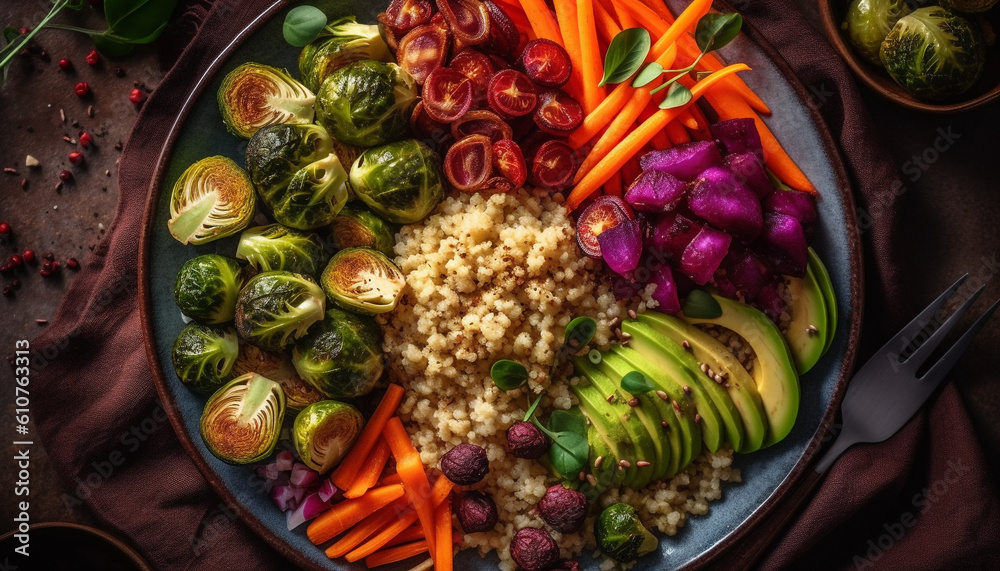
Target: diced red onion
<point>326,490</point>
<point>284,460</point>
<point>283,496</point>
<point>303,475</point>
<point>310,507</point>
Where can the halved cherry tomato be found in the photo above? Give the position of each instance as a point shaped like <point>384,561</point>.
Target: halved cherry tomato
<point>509,160</point>
<point>447,94</point>
<point>603,213</point>
<point>468,20</point>
<point>546,63</point>
<point>403,15</point>
<point>469,163</point>
<point>500,184</point>
<point>558,113</point>
<point>478,67</point>
<point>481,122</point>
<point>511,93</point>
<point>422,50</point>
<point>553,165</point>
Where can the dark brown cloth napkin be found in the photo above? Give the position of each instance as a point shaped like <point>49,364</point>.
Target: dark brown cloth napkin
<point>922,500</point>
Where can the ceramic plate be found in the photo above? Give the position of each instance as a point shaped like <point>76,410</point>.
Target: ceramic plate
<point>766,474</point>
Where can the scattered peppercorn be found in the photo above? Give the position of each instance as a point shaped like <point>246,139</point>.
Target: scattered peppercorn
<point>118,146</point>
<point>525,440</point>
<point>93,58</point>
<point>82,89</point>
<point>137,96</point>
<point>5,229</point>
<point>29,256</point>
<point>10,170</point>
<point>44,273</point>
<point>16,284</point>
<point>534,549</point>
<point>119,72</point>
<point>16,260</point>
<point>55,265</point>
<point>72,264</point>
<point>86,139</point>
<point>563,509</point>
<point>65,64</point>
<point>76,157</point>
<point>465,464</point>
<point>476,512</point>
<point>8,291</point>
<point>49,257</point>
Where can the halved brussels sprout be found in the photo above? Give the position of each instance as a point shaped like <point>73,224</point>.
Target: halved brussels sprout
<point>204,356</point>
<point>621,536</point>
<point>969,5</point>
<point>358,227</point>
<point>275,308</point>
<point>868,22</point>
<point>242,420</point>
<point>341,42</point>
<point>255,95</point>
<point>366,103</point>
<point>277,367</point>
<point>276,248</point>
<point>400,181</point>
<point>341,357</point>
<point>297,174</point>
<point>363,280</point>
<point>324,431</point>
<point>207,287</point>
<point>933,53</point>
<point>212,199</point>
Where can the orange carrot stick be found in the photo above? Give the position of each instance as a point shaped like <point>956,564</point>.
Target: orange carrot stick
<point>390,479</point>
<point>661,10</point>
<point>590,56</point>
<point>660,140</point>
<point>642,135</point>
<point>569,28</point>
<point>343,515</point>
<point>617,130</point>
<point>366,528</point>
<point>607,27</point>
<point>345,474</point>
<point>442,487</point>
<point>370,470</point>
<point>731,106</point>
<point>656,25</point>
<point>412,533</point>
<point>688,120</point>
<point>411,469</point>
<point>542,21</point>
<point>398,553</point>
<point>676,133</point>
<point>443,561</point>
<point>689,50</point>
<point>703,123</point>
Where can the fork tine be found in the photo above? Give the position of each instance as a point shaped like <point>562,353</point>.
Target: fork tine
<point>919,322</point>
<point>941,368</point>
<point>921,353</point>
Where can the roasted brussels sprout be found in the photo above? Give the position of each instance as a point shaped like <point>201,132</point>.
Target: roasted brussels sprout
<point>275,308</point>
<point>621,536</point>
<point>207,287</point>
<point>358,227</point>
<point>400,181</point>
<point>213,198</point>
<point>255,95</point>
<point>933,53</point>
<point>274,247</point>
<point>324,431</point>
<point>242,420</point>
<point>366,103</point>
<point>277,367</point>
<point>363,280</point>
<point>204,356</point>
<point>969,5</point>
<point>342,356</point>
<point>297,174</point>
<point>868,22</point>
<point>341,42</point>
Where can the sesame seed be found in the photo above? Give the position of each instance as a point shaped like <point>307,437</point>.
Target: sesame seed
<point>704,367</point>
<point>725,385</point>
<point>697,418</point>
<point>591,480</point>
<point>661,394</point>
<point>663,423</point>
<point>717,378</point>
<point>686,389</point>
<point>620,468</point>
<point>632,314</point>
<point>811,330</point>
<point>626,335</point>
<point>633,402</point>
<point>611,398</point>
<point>625,463</point>
<point>62,116</point>
<point>613,322</point>
<point>676,406</point>
<point>686,345</point>
<point>642,463</point>
<point>583,476</point>
<point>597,463</point>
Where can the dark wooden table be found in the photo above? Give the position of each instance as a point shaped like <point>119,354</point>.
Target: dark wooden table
<point>40,110</point>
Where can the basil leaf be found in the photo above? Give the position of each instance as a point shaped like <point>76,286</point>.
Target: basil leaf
<point>508,375</point>
<point>302,25</point>
<point>567,421</point>
<point>569,451</point>
<point>636,383</point>
<point>647,75</point>
<point>627,51</point>
<point>581,330</point>
<point>701,305</point>
<point>716,30</point>
<point>677,96</point>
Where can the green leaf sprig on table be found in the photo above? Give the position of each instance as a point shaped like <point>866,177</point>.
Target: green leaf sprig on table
<point>130,23</point>
<point>630,47</point>
<point>302,25</point>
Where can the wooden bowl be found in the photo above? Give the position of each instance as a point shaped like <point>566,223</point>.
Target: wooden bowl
<point>984,92</point>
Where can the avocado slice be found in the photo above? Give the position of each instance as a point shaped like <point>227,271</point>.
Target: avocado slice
<point>807,331</point>
<point>773,371</point>
<point>653,412</point>
<point>720,421</point>
<point>705,349</point>
<point>822,278</point>
<point>646,447</point>
<point>674,390</point>
<point>615,444</point>
<point>605,475</point>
